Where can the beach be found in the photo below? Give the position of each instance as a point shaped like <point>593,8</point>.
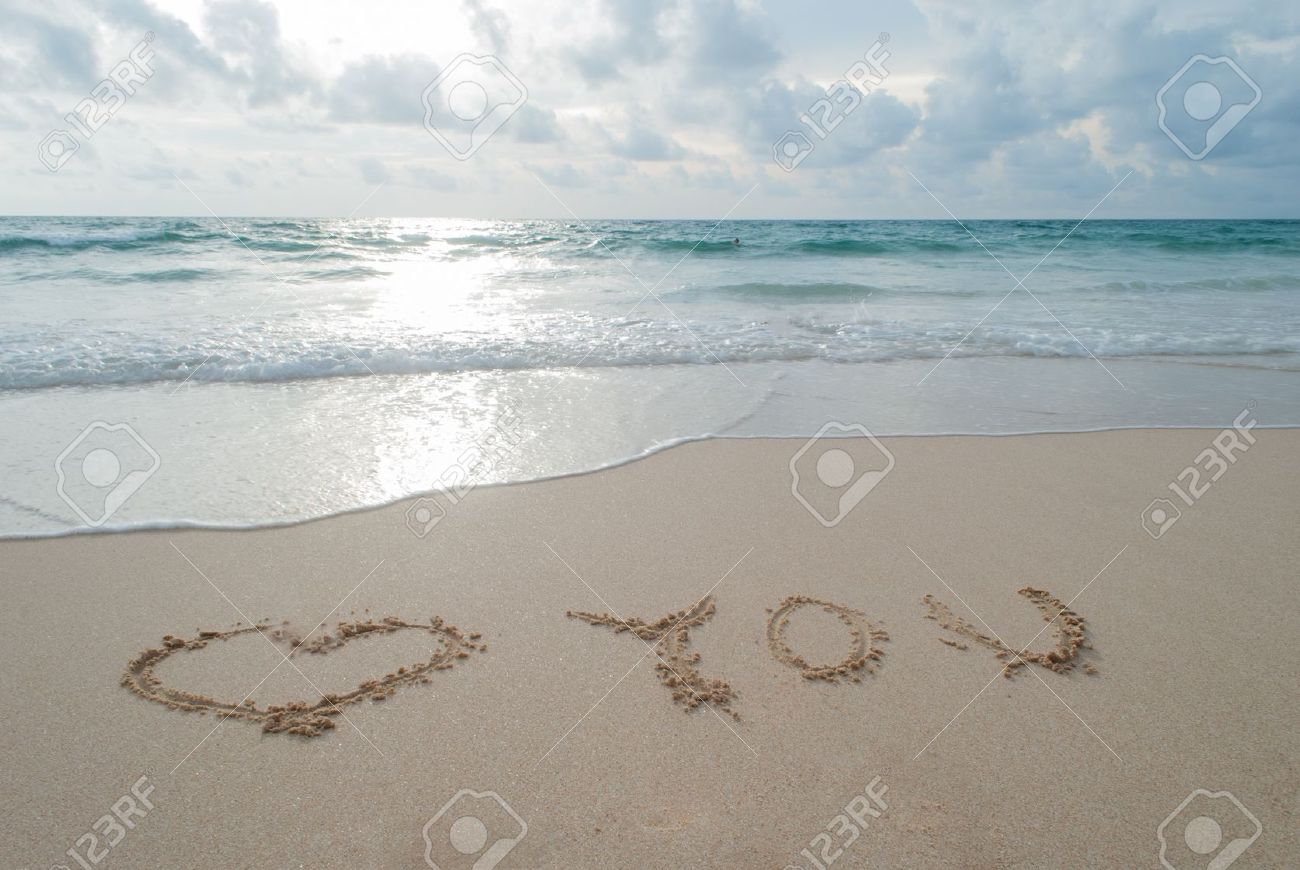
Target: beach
<point>714,434</point>
<point>1184,679</point>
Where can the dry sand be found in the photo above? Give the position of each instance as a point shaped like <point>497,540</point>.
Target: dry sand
<point>1192,638</point>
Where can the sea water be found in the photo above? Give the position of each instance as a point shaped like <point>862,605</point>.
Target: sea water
<point>271,370</point>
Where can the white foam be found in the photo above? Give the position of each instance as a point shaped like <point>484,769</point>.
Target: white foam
<point>108,359</point>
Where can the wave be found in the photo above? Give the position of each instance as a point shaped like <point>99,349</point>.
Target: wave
<point>1210,243</point>
<point>632,343</point>
<point>273,238</point>
<point>814,291</point>
<point>73,241</point>
<point>866,247</point>
<point>672,239</point>
<point>765,246</point>
<point>498,241</point>
<point>1232,284</point>
<point>808,291</point>
<point>353,273</point>
<point>848,291</point>
<point>285,246</point>
<point>162,276</point>
<point>197,275</point>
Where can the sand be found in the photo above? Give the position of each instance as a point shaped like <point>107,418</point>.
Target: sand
<point>929,759</point>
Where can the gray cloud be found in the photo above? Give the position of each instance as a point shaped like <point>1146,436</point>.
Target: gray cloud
<point>49,52</point>
<point>373,171</point>
<point>727,42</point>
<point>382,90</point>
<point>535,125</point>
<point>246,33</point>
<point>640,142</point>
<point>562,174</point>
<point>632,37</point>
<point>489,24</point>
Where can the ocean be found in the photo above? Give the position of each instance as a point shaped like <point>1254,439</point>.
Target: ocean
<point>272,370</point>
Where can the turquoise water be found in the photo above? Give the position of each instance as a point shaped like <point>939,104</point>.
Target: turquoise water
<point>290,368</point>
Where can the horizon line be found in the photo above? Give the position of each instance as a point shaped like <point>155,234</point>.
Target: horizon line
<point>274,216</point>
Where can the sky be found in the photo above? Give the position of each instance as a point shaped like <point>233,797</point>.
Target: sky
<point>637,109</point>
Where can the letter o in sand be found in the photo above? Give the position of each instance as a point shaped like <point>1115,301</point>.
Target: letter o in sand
<point>863,649</point>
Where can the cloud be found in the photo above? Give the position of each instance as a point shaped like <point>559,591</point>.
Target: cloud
<point>186,55</point>
<point>639,142</point>
<point>561,174</point>
<point>246,34</point>
<point>383,90</point>
<point>533,124</point>
<point>712,44</point>
<point>629,35</point>
<point>373,171</point>
<point>727,42</point>
<point>863,126</point>
<point>429,178</point>
<point>1036,113</point>
<point>1050,102</point>
<point>49,52</point>
<point>488,24</point>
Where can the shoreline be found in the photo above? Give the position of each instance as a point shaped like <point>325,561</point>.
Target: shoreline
<point>240,456</point>
<point>191,525</point>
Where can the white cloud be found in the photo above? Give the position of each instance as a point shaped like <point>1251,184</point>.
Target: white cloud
<point>647,108</point>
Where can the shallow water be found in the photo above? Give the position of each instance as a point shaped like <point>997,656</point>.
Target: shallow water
<point>283,369</point>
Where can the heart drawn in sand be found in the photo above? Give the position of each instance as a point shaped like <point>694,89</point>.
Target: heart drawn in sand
<point>300,717</point>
